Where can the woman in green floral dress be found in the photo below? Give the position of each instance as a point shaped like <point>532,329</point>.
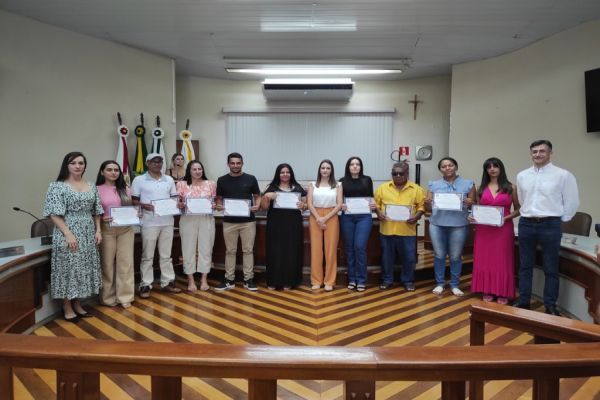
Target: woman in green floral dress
<point>74,207</point>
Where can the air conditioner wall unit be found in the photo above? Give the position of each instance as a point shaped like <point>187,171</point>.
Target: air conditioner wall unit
<point>307,90</point>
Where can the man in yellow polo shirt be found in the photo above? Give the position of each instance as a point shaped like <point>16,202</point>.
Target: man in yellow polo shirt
<point>398,228</point>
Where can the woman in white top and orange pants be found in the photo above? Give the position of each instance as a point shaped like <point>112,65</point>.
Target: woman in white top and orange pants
<point>324,202</point>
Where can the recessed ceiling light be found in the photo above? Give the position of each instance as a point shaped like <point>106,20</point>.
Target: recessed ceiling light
<point>299,18</point>
<point>308,26</point>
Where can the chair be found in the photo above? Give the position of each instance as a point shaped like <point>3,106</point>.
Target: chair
<point>42,227</point>
<point>579,225</point>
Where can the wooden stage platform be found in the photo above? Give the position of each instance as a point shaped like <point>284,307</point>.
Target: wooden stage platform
<point>298,317</point>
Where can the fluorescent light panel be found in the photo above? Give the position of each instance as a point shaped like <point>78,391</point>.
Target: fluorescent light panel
<point>315,67</point>
<point>313,71</point>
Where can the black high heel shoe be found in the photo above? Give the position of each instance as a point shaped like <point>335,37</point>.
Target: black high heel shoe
<point>83,314</point>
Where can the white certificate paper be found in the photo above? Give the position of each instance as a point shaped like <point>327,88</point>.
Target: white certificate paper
<point>124,216</point>
<point>448,201</point>
<point>397,212</point>
<point>165,207</point>
<point>198,205</point>
<point>488,215</point>
<point>236,207</point>
<point>357,205</point>
<point>287,200</point>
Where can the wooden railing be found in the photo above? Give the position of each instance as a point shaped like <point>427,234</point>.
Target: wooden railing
<point>545,329</point>
<point>79,362</point>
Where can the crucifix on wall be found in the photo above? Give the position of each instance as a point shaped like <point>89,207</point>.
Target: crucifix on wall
<point>415,102</point>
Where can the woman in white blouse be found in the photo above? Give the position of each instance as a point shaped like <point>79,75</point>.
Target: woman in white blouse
<point>324,202</point>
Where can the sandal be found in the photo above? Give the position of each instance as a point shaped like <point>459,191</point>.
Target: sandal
<point>191,289</point>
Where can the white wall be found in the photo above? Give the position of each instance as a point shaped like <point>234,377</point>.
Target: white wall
<point>500,105</point>
<point>201,100</point>
<point>59,92</point>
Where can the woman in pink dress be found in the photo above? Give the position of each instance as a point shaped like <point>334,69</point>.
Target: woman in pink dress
<point>493,255</point>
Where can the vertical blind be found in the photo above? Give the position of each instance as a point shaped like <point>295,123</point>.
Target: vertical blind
<point>304,139</point>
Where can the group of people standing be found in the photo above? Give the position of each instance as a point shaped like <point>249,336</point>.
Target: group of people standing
<point>82,217</point>
<point>544,196</point>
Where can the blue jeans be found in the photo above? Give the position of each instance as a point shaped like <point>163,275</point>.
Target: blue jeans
<point>404,246</point>
<point>448,240</point>
<point>355,234</point>
<point>547,234</point>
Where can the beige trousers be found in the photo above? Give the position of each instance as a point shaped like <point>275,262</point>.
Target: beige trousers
<point>323,242</point>
<point>197,234</point>
<point>153,236</point>
<point>116,254</point>
<point>246,231</point>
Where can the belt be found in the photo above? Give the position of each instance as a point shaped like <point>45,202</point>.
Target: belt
<point>540,219</point>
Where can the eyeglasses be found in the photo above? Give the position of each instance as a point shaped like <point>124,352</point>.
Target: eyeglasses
<point>156,161</point>
<point>399,173</point>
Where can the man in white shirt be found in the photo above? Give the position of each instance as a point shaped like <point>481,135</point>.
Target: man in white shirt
<point>154,185</point>
<point>548,195</point>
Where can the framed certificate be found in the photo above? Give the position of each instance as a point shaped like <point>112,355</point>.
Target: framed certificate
<point>357,205</point>
<point>236,207</point>
<point>287,200</point>
<point>166,207</point>
<point>488,215</point>
<point>198,206</point>
<point>124,216</point>
<point>398,212</point>
<point>448,201</point>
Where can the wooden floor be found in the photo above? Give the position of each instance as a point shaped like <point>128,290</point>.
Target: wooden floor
<point>298,317</point>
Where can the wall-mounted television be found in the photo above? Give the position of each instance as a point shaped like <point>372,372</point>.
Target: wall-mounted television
<point>592,100</point>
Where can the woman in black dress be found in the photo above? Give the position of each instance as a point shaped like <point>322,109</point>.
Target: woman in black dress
<point>285,238</point>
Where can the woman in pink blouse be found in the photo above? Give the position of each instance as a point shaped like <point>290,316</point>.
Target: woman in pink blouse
<point>116,248</point>
<point>197,231</point>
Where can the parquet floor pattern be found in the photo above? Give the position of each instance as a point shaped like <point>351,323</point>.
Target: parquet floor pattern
<point>299,317</point>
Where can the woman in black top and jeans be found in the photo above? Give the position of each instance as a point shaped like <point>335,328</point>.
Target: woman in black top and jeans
<point>356,228</point>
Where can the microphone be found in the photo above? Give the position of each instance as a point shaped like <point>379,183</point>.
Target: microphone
<point>45,239</point>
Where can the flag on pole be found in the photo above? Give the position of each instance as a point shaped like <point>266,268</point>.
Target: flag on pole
<point>186,149</point>
<point>122,155</point>
<point>158,143</point>
<point>140,148</point>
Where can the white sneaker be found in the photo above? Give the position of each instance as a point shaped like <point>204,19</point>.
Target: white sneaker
<point>457,292</point>
<point>315,287</point>
<point>438,290</point>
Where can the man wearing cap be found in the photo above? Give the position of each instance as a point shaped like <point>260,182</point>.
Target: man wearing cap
<point>154,185</point>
